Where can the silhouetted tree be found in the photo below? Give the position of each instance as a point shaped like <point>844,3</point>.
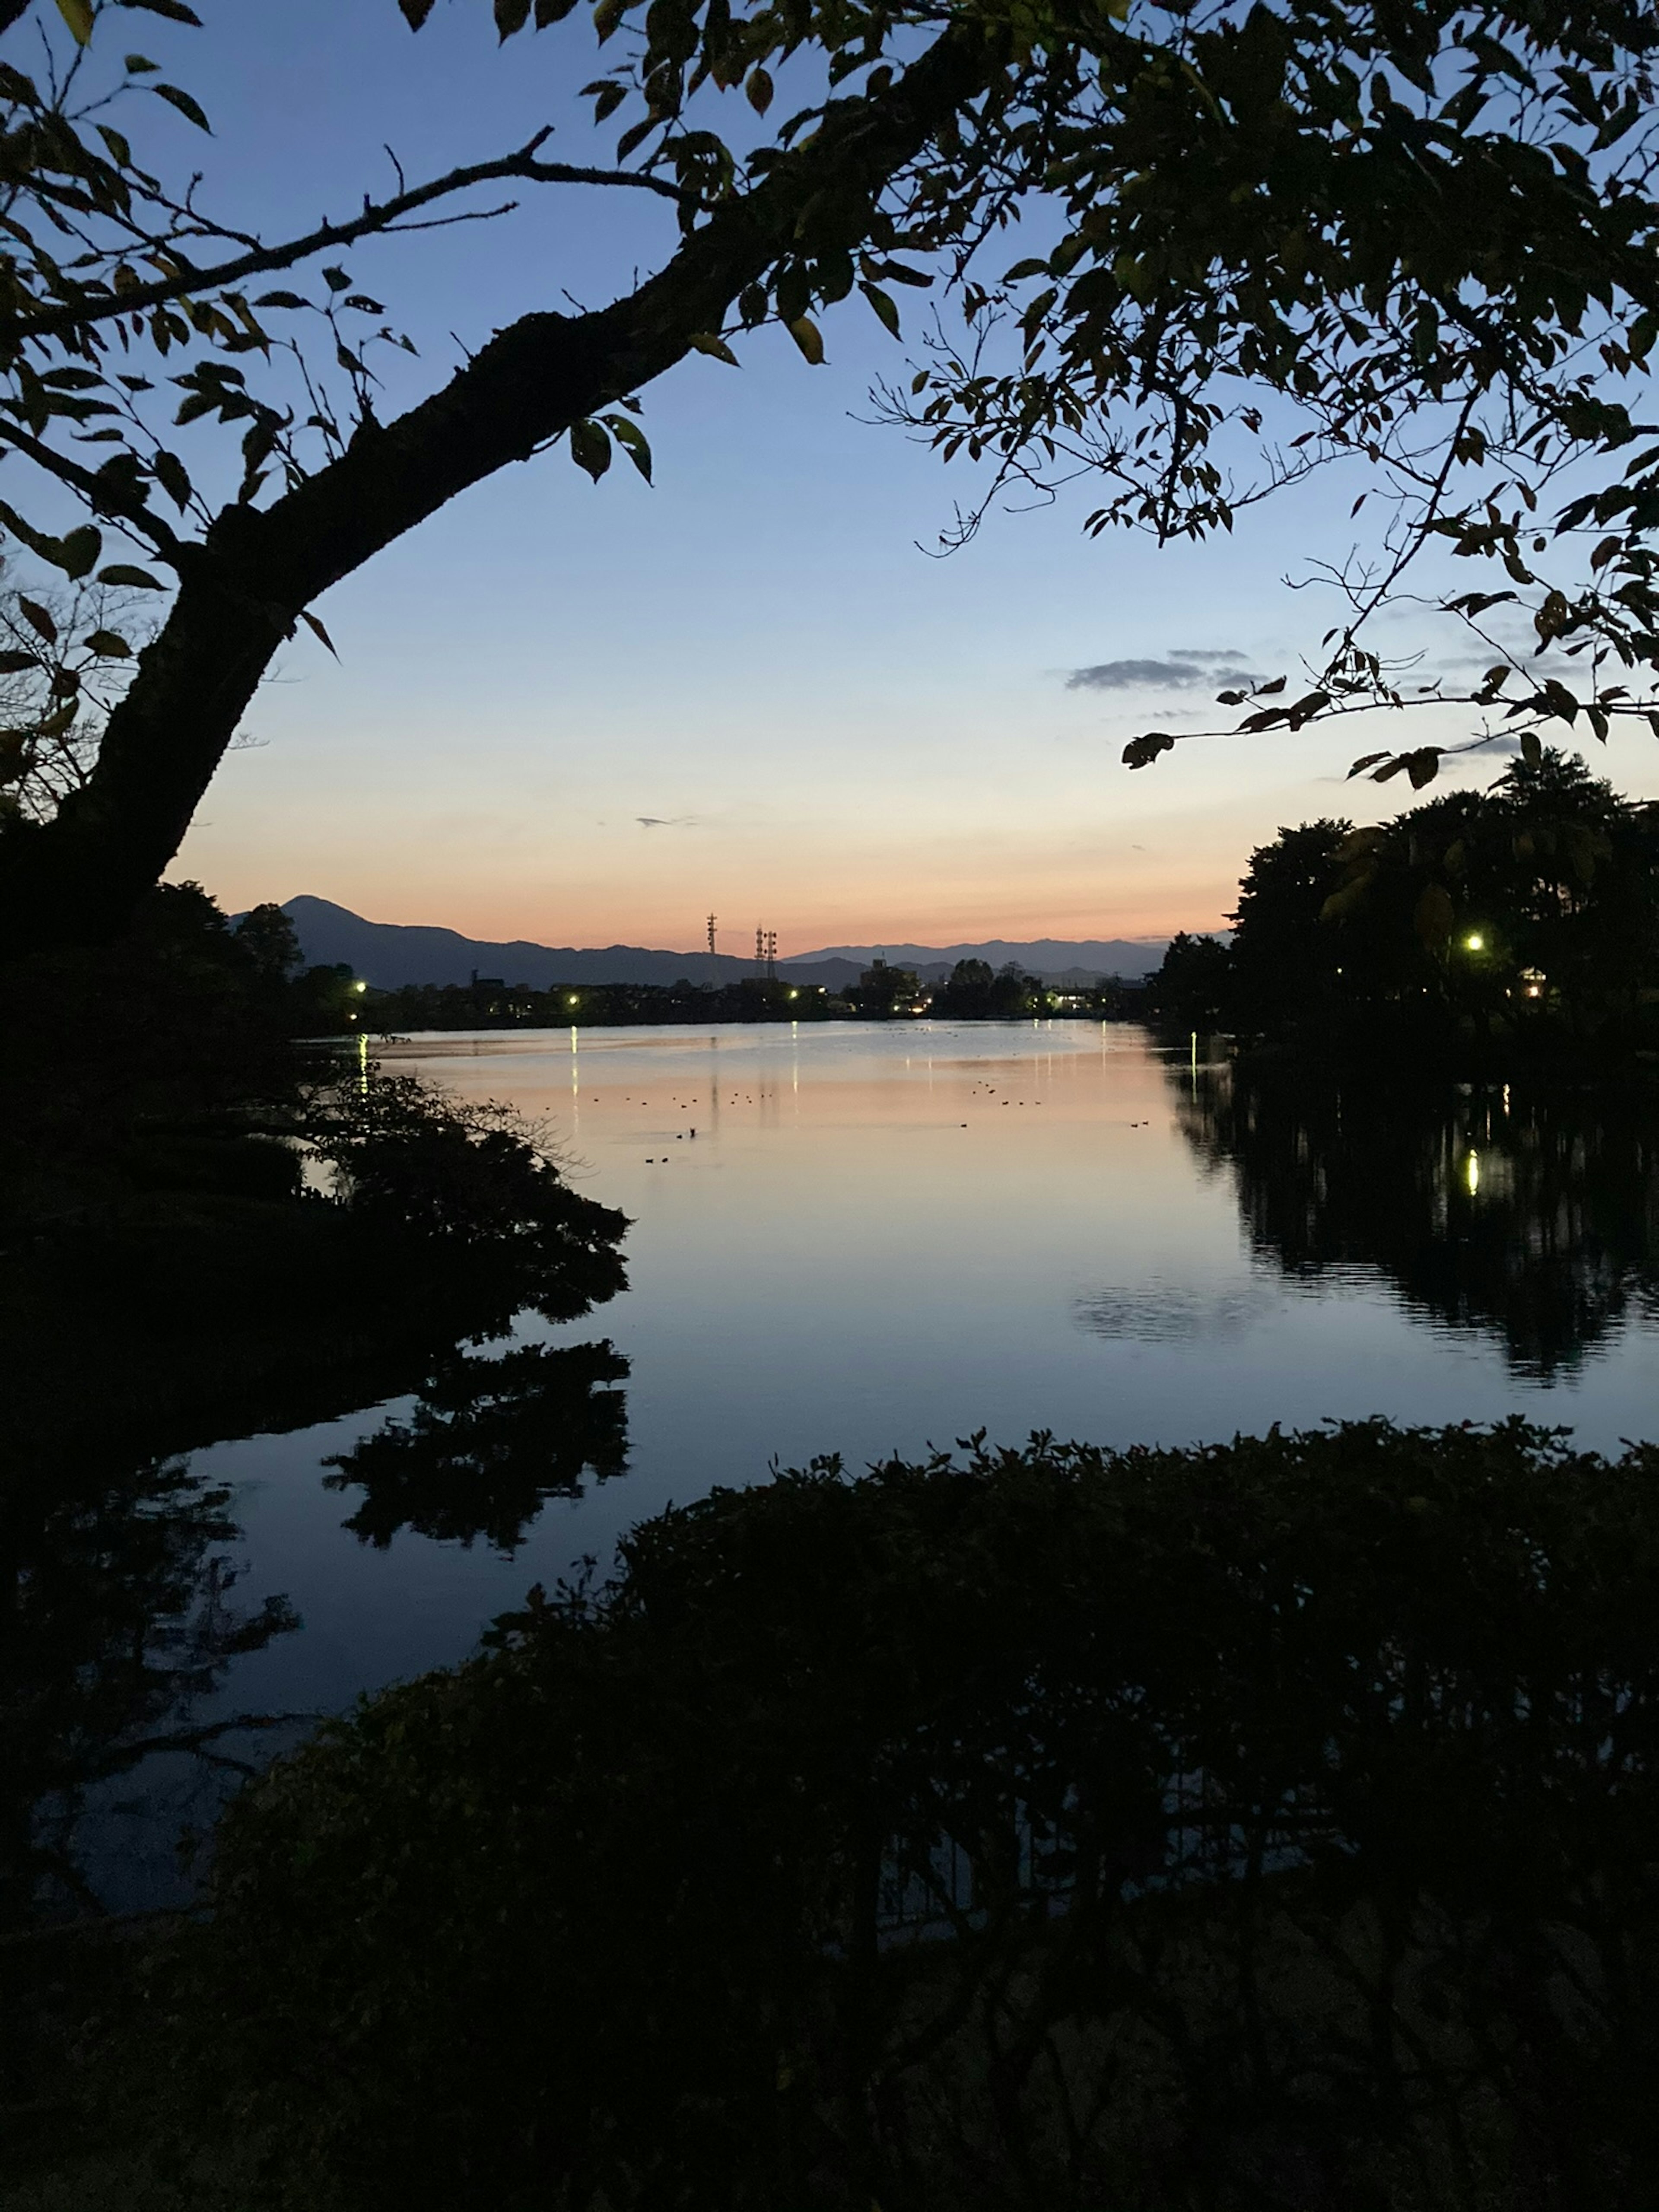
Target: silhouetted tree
<point>1191,988</point>
<point>1464,365</point>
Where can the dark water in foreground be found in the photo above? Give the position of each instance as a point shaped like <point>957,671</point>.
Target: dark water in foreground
<point>877,1239</point>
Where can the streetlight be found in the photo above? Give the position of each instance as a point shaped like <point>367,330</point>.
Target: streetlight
<point>1474,942</point>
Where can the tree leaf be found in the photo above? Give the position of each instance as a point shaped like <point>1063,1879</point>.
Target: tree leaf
<point>808,337</point>
<point>415,11</point>
<point>189,108</point>
<point>174,10</point>
<point>36,616</point>
<point>172,476</point>
<point>714,347</point>
<point>79,555</point>
<point>13,664</point>
<point>632,440</point>
<point>1141,752</point>
<point>315,627</point>
<point>108,645</point>
<point>590,447</point>
<point>885,305</point>
<point>133,579</point>
<point>78,14</point>
<point>511,15</point>
<point>759,90</point>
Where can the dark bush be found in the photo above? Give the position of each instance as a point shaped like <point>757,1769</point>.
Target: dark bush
<point>1268,1824</point>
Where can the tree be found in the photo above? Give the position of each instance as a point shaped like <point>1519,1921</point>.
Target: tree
<point>1251,210</point>
<point>1415,239</point>
<point>1285,954</point>
<point>1536,902</point>
<point>884,991</point>
<point>323,483</point>
<point>1192,987</point>
<point>975,993</point>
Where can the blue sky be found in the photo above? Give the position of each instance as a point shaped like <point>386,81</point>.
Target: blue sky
<point>828,732</point>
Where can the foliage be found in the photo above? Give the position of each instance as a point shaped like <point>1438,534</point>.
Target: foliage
<point>883,991</point>
<point>1242,214</point>
<point>470,1182</point>
<point>1530,911</point>
<point>65,659</point>
<point>1265,1825</point>
<point>1189,989</point>
<point>975,993</point>
<point>1253,242</point>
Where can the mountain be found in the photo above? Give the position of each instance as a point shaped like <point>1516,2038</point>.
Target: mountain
<point>390,953</point>
<point>1057,960</point>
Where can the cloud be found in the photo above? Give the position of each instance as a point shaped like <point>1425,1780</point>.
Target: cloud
<point>1181,671</point>
<point>665,821</point>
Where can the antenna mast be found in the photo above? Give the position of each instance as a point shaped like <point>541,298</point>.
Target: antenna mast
<point>711,932</point>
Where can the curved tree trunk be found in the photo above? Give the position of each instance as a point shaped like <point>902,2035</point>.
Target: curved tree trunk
<point>243,587</point>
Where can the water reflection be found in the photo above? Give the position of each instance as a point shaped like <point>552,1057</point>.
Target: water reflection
<point>122,1621</point>
<point>118,1618</point>
<point>1531,1216</point>
<point>489,1443</point>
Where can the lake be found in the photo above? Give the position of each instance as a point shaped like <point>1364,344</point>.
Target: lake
<point>870,1239</point>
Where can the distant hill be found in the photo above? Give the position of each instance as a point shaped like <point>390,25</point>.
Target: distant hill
<point>1056,959</point>
<point>390,953</point>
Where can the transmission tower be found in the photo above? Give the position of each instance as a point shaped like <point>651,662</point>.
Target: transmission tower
<point>711,932</point>
<point>766,952</point>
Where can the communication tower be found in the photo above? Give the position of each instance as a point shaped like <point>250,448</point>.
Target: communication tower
<point>711,932</point>
<point>766,952</point>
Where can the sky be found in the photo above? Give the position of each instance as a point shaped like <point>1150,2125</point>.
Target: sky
<point>586,714</point>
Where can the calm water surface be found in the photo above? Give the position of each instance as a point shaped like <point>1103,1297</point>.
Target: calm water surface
<point>882,1238</point>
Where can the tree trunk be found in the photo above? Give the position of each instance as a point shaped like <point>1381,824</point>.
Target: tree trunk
<point>243,587</point>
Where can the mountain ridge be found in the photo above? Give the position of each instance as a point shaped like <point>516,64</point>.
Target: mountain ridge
<point>389,954</point>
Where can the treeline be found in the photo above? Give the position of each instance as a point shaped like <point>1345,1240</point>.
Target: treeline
<point>489,1003</point>
<point>1520,921</point>
<point>975,992</point>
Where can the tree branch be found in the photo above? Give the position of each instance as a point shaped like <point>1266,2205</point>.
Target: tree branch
<point>102,496</point>
<point>260,261</point>
<point>245,586</point>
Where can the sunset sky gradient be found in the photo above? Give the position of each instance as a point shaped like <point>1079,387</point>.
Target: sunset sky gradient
<point>582,714</point>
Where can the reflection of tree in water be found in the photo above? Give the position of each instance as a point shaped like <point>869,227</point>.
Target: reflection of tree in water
<point>1530,1213</point>
<point>491,1442</point>
<point>116,1616</point>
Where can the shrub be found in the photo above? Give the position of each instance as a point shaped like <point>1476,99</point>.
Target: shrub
<point>1264,1824</point>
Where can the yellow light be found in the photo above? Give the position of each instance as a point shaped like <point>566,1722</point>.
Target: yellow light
<point>360,986</point>
<point>794,994</point>
<point>1472,1173</point>
<point>571,1000</point>
<point>1474,942</point>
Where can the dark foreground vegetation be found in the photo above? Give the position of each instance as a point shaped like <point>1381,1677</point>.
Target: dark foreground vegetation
<point>168,1256</point>
<point>1514,926</point>
<point>1264,1826</point>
